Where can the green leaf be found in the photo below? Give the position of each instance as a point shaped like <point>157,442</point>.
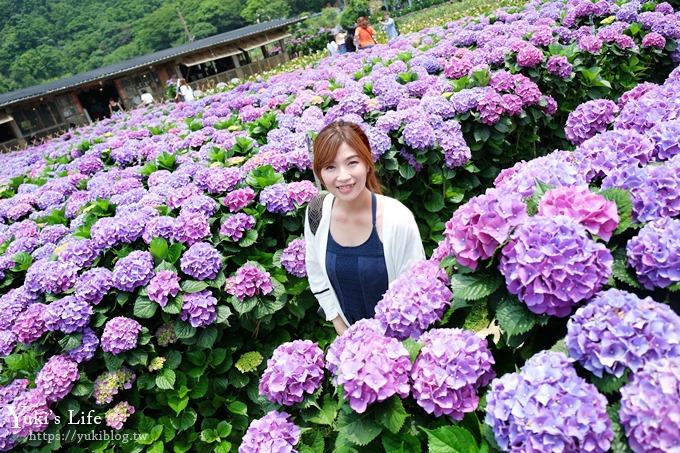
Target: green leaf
<point>144,308</point>
<point>22,261</point>
<point>177,404</point>
<point>406,171</point>
<point>185,421</point>
<point>166,379</point>
<point>624,207</point>
<point>608,383</point>
<point>450,439</point>
<point>359,430</point>
<point>183,330</point>
<point>71,341</point>
<point>622,273</point>
<point>223,313</point>
<point>249,361</point>
<point>193,286</point>
<point>514,318</point>
<point>475,286</point>
<point>413,348</point>
<point>207,337</point>
<point>248,239</point>
<point>174,252</point>
<point>238,408</point>
<point>434,202</point>
<point>400,443</point>
<point>619,443</point>
<point>327,413</point>
<point>392,415</point>
<point>159,248</point>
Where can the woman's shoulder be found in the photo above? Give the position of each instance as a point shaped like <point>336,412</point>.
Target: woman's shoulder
<point>394,209</point>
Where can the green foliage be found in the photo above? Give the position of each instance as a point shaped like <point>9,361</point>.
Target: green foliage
<point>514,318</point>
<point>451,439</point>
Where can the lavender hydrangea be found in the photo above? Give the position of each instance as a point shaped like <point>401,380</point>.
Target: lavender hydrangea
<point>552,264</point>
<point>482,224</point>
<point>654,40</point>
<point>649,407</point>
<point>450,138</point>
<point>530,56</point>
<point>7,341</point>
<point>293,258</point>
<point>419,135</point>
<point>450,369</point>
<point>163,285</point>
<point>67,314</point>
<point>57,377</point>
<point>30,324</point>
<point>93,285</point>
<point>199,309</point>
<point>274,432</point>
<point>191,227</point>
<point>353,335</point>
<point>202,261</point>
<point>120,335</point>
<point>618,330</point>
<point>296,369</point>
<point>31,410</point>
<point>590,118</point>
<point>414,301</point>
<point>664,137</point>
<point>600,155</point>
<point>235,226</point>
<point>89,342</point>
<point>371,367</point>
<point>248,281</point>
<point>276,199</point>
<point>559,66</point>
<point>654,253</point>
<point>547,407</point>
<point>132,271</point>
<point>118,414</point>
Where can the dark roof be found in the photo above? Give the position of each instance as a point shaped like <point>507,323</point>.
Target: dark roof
<point>141,61</point>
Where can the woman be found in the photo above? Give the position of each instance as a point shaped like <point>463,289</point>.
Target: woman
<point>389,26</point>
<point>364,239</point>
<point>184,89</point>
<point>365,35</point>
<point>115,107</point>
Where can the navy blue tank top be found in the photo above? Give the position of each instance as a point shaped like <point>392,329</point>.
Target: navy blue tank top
<point>358,274</point>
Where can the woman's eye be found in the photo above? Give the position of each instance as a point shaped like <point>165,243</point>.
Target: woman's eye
<point>354,162</point>
<point>330,167</point>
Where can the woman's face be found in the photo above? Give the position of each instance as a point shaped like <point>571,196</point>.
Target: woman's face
<point>345,177</point>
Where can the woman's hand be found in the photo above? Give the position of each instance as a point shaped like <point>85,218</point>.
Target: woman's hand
<point>339,324</point>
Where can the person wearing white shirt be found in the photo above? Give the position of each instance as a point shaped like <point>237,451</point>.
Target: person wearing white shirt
<point>184,90</point>
<point>147,98</point>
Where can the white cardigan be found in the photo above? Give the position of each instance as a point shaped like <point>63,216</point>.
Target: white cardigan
<point>401,243</point>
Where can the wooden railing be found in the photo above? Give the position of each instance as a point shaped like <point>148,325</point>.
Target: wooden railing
<point>241,72</point>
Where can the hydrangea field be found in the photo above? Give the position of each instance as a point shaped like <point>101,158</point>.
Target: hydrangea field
<point>153,267</point>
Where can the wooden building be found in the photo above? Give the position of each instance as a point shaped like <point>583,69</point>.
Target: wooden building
<point>30,113</point>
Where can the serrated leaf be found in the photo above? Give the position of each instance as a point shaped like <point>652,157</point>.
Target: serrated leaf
<point>357,429</point>
<point>391,414</point>
<point>560,346</point>
<point>474,286</point>
<point>413,348</point>
<point>144,308</point>
<point>166,379</point>
<point>207,337</point>
<point>248,239</point>
<point>450,439</point>
<point>326,413</point>
<point>514,318</point>
<point>193,286</point>
<point>624,207</point>
<point>71,341</point>
<point>622,273</point>
<point>174,252</point>
<point>608,383</point>
<point>165,266</point>
<point>159,248</point>
<point>434,202</point>
<point>238,408</point>
<point>619,443</point>
<point>249,361</point>
<point>178,404</point>
<point>183,330</point>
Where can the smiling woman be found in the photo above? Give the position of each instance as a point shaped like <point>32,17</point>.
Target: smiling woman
<point>364,239</point>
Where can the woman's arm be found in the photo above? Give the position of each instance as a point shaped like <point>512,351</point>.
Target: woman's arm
<point>315,276</point>
<point>410,243</point>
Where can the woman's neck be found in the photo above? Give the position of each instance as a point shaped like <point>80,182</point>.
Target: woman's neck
<point>361,202</point>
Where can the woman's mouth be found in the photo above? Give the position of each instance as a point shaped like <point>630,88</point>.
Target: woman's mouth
<point>345,189</point>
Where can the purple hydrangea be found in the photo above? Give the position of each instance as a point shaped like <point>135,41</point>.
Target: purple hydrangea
<point>191,227</point>
<point>371,367</point>
<point>12,304</point>
<point>163,227</point>
<point>650,404</point>
<point>235,226</point>
<point>107,385</point>
<point>654,40</point>
<point>296,369</point>
<point>414,301</point>
<point>218,180</point>
<point>450,138</point>
<point>133,271</point>
<point>7,341</point>
<point>202,261</point>
<point>67,314</point>
<point>597,214</point>
<point>529,56</point>
<point>277,199</point>
<point>93,285</point>
<point>31,410</point>
<point>481,225</point>
<point>88,346</point>
<point>664,137</point>
<point>57,377</point>
<point>272,433</point>
<point>547,407</point>
<point>450,369</point>
<point>590,43</point>
<point>302,192</point>
<point>199,309</point>
<point>118,414</point>
<point>163,285</point>
<point>419,135</point>
<point>293,258</point>
<point>120,334</point>
<point>590,118</point>
<point>239,199</point>
<point>600,155</point>
<point>200,203</point>
<point>248,281</point>
<point>30,324</point>
<point>552,264</point>
<point>559,66</point>
<point>654,253</point>
<point>59,277</point>
<point>491,108</point>
<point>618,330</point>
<point>355,333</point>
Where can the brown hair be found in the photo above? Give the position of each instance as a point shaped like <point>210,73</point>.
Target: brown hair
<point>330,139</point>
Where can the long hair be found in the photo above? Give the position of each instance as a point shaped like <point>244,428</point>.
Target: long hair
<point>331,138</point>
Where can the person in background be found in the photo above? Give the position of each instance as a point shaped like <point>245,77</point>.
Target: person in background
<point>115,107</point>
<point>331,47</point>
<point>365,35</point>
<point>389,26</point>
<point>349,40</point>
<point>184,90</point>
<point>147,98</point>
<point>363,240</point>
<point>340,41</point>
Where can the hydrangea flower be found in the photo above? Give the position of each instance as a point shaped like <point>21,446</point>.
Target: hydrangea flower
<point>371,367</point>
<point>248,281</point>
<point>419,135</point>
<point>481,225</point>
<point>120,334</point>
<point>239,199</point>
<point>199,309</point>
<point>353,335</point>
<point>31,410</point>
<point>93,285</point>
<point>67,314</point>
<point>552,264</point>
<point>235,226</point>
<point>654,253</point>
<point>654,40</point>
<point>559,66</point>
<point>272,433</point>
<point>276,199</point>
<point>163,285</point>
<point>414,301</point>
<point>618,330</point>
<point>450,369</point>
<point>57,377</point>
<point>202,261</point>
<point>649,407</point>
<point>600,155</point>
<point>589,118</point>
<point>547,407</point>
<point>664,137</point>
<point>118,414</point>
<point>450,138</point>
<point>191,227</point>
<point>529,56</point>
<point>597,214</point>
<point>88,346</point>
<point>30,324</point>
<point>108,384</point>
<point>132,271</point>
<point>296,369</point>
<point>293,258</point>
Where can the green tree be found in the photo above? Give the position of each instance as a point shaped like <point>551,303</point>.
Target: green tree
<point>264,10</point>
<point>39,64</point>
